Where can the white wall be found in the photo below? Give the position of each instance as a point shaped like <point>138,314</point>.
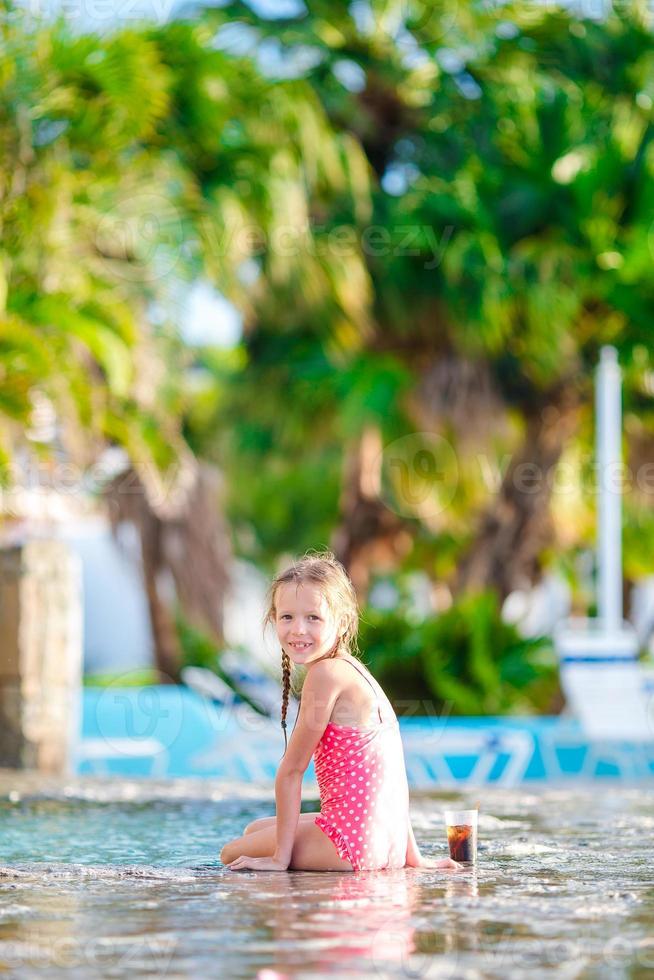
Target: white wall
<point>116,623</point>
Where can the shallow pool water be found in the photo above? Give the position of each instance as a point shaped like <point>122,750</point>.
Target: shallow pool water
<point>121,878</point>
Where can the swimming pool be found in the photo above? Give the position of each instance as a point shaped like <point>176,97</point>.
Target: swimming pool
<point>172,731</point>
<point>104,877</point>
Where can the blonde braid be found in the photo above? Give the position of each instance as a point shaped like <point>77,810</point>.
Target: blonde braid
<point>286,687</point>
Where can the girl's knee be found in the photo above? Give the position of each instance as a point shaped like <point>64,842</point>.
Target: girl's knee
<point>230,852</point>
<point>257,825</point>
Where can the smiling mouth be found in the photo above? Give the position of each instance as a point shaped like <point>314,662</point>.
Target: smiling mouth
<point>300,646</point>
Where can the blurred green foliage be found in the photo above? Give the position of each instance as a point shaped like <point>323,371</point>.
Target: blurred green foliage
<point>123,678</point>
<point>199,650</point>
<point>430,217</point>
<point>466,661</point>
<point>502,236</point>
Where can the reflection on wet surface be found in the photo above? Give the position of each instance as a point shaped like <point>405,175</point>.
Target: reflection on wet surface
<point>106,878</point>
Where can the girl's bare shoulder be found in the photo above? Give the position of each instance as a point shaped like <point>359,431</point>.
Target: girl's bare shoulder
<point>324,672</point>
<point>333,671</point>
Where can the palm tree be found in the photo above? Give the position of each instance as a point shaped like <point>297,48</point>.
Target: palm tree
<point>80,265</point>
<point>141,158</point>
<point>508,150</point>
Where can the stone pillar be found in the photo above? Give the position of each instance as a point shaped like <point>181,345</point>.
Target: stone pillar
<point>40,656</point>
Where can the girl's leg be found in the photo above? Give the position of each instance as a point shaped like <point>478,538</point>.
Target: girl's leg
<point>264,822</point>
<point>312,850</point>
<point>260,843</point>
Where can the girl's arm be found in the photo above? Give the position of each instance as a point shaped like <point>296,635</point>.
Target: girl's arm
<point>319,693</point>
<point>413,855</point>
<point>288,795</point>
<point>414,858</point>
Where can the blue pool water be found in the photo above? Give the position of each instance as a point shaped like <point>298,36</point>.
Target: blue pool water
<point>119,877</point>
<point>171,731</point>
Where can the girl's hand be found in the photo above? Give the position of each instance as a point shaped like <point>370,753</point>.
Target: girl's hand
<point>443,864</point>
<point>257,864</point>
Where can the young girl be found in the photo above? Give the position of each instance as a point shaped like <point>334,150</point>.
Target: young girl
<point>346,723</point>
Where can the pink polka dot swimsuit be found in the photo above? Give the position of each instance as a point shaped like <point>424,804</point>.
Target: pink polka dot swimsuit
<point>364,796</point>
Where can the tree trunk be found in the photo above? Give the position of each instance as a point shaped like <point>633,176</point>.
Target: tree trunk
<point>184,551</point>
<point>197,552</point>
<point>506,552</point>
<point>370,535</point>
<point>167,654</point>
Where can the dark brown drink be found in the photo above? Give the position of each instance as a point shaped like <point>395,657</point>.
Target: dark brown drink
<point>462,841</point>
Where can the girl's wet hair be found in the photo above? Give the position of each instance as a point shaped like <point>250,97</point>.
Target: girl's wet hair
<point>325,571</point>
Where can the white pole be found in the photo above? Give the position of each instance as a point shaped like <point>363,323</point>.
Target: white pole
<point>608,409</point>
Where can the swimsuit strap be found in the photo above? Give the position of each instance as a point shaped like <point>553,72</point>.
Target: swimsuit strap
<point>371,685</point>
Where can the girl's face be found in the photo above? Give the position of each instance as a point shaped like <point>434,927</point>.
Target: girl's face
<point>305,625</point>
